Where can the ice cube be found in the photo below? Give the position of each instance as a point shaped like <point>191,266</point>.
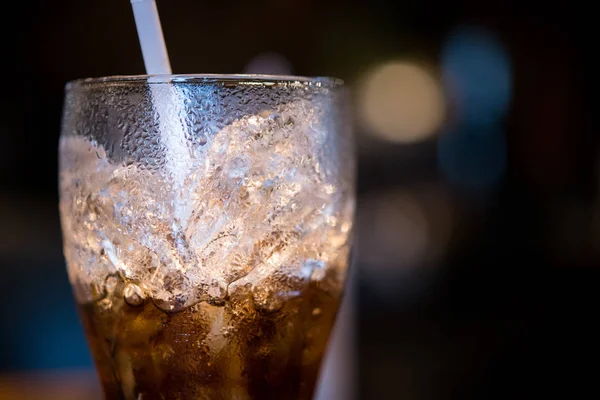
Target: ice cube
<point>252,201</point>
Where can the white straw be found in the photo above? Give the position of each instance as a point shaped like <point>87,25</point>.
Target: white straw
<point>166,101</point>
<point>151,37</point>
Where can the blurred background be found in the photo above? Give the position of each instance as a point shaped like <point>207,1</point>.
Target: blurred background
<point>476,270</point>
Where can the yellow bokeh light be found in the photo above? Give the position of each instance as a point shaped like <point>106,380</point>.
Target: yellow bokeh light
<point>401,102</point>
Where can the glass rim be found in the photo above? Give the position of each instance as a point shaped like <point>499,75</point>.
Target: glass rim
<point>239,79</point>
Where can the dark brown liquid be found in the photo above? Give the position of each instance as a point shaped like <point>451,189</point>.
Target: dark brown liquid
<point>230,351</point>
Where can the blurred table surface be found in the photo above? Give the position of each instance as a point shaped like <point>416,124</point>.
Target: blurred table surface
<point>50,385</point>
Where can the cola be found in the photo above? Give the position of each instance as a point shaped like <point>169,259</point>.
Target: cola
<point>233,349</point>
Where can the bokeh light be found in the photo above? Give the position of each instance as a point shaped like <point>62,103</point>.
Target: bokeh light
<point>269,63</point>
<point>476,74</point>
<point>400,102</point>
<point>402,232</point>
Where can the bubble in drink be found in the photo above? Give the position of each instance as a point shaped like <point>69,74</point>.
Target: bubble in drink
<point>212,268</point>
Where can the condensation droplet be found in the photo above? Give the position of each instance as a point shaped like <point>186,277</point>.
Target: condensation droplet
<point>134,296</point>
<point>202,139</point>
<point>316,312</point>
<point>101,153</point>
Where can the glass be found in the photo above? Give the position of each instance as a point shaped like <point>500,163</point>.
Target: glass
<point>207,224</point>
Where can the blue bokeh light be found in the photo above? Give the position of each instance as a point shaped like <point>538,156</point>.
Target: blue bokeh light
<point>477,75</point>
<point>42,331</point>
<point>54,339</point>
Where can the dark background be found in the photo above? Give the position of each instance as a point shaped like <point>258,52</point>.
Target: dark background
<point>478,245</point>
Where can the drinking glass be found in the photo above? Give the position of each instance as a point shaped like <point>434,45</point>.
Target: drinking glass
<point>207,226</point>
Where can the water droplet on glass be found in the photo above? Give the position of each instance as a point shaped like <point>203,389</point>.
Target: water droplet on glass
<point>134,296</point>
<point>199,136</point>
<point>101,153</point>
<point>316,312</point>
